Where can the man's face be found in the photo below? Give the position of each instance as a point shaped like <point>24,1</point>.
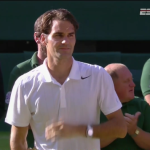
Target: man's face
<point>61,40</point>
<point>124,85</point>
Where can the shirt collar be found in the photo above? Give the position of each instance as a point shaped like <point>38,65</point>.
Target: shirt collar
<point>34,60</point>
<point>74,73</point>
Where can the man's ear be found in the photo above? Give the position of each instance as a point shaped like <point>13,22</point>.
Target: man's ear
<point>36,38</point>
<point>43,39</point>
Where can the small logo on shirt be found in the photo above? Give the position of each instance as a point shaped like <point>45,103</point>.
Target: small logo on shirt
<point>85,77</point>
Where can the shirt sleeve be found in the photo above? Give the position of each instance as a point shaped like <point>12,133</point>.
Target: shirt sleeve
<point>108,101</point>
<point>18,113</point>
<point>145,79</point>
<point>146,125</point>
<point>15,73</point>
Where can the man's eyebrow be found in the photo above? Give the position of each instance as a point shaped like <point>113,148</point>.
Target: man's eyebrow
<point>58,33</point>
<point>72,33</point>
<point>63,33</point>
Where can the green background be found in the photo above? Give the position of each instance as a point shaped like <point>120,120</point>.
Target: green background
<point>98,20</point>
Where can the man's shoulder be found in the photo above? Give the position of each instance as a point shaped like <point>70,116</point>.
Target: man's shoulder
<point>148,60</point>
<point>31,75</point>
<point>97,72</point>
<point>24,64</point>
<point>22,68</point>
<point>19,68</point>
<point>138,98</point>
<point>147,63</point>
<point>139,102</point>
<point>88,66</point>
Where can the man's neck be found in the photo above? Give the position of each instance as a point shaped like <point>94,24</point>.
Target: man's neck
<point>40,58</point>
<point>40,61</point>
<point>125,101</point>
<point>60,69</point>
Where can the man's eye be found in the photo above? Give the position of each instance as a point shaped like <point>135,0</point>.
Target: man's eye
<point>59,35</point>
<point>71,35</point>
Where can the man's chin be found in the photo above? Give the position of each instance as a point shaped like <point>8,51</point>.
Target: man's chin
<point>65,55</point>
<point>131,97</point>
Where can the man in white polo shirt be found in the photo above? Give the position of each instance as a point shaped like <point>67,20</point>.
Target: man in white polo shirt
<point>62,98</point>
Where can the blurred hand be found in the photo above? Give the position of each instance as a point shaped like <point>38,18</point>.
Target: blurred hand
<point>131,121</point>
<point>59,130</point>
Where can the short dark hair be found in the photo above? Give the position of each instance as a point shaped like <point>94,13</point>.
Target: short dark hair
<point>44,23</point>
<point>37,26</point>
<point>114,75</point>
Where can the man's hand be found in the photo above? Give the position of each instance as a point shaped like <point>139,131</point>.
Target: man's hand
<point>60,130</point>
<point>131,121</point>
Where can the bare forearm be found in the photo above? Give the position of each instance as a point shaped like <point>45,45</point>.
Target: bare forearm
<point>18,138</point>
<point>110,129</point>
<point>143,139</point>
<point>18,145</point>
<point>106,141</point>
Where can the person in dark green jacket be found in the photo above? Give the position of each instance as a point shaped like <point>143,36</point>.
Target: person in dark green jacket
<point>145,81</point>
<point>36,60</point>
<point>24,67</point>
<point>136,113</point>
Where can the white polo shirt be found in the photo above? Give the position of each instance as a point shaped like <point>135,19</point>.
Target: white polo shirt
<point>37,99</point>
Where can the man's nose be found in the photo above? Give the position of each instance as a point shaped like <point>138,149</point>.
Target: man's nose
<point>65,40</point>
<point>132,84</point>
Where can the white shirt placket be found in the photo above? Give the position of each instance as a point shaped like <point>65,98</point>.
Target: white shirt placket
<point>62,103</point>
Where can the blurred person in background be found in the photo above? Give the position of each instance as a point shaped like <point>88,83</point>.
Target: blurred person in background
<point>145,81</point>
<point>136,113</point>
<point>36,60</point>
